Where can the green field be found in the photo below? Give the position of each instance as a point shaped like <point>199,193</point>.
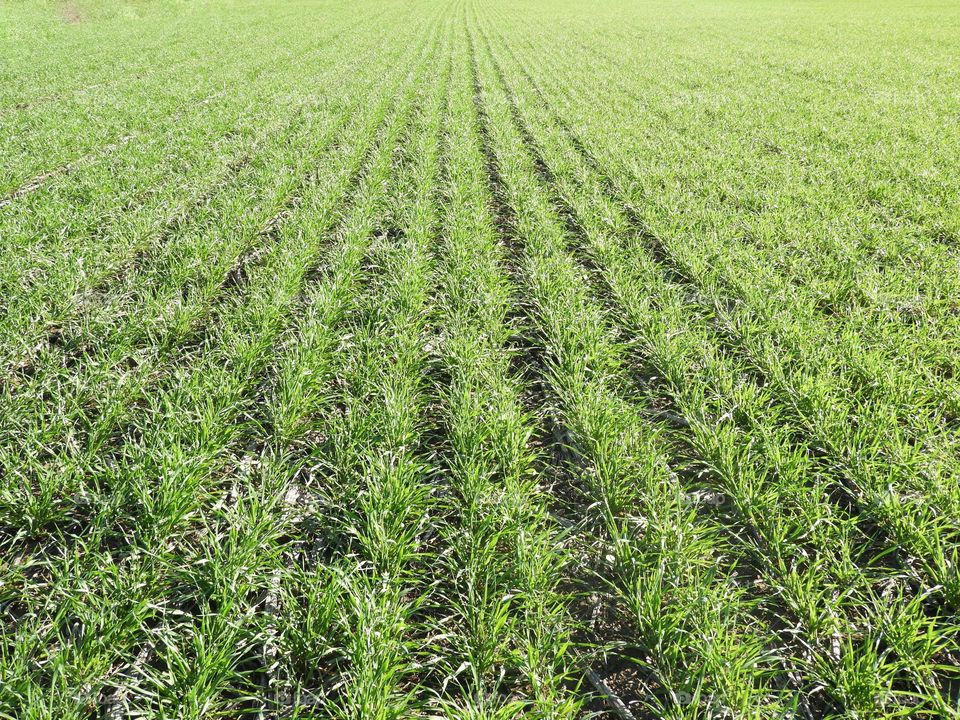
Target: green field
<point>477,359</point>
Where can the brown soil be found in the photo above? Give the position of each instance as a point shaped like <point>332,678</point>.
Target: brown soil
<point>71,14</point>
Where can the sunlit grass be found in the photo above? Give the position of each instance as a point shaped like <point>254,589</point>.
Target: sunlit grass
<point>476,359</point>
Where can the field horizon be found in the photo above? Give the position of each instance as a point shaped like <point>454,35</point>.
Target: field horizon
<point>479,360</point>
